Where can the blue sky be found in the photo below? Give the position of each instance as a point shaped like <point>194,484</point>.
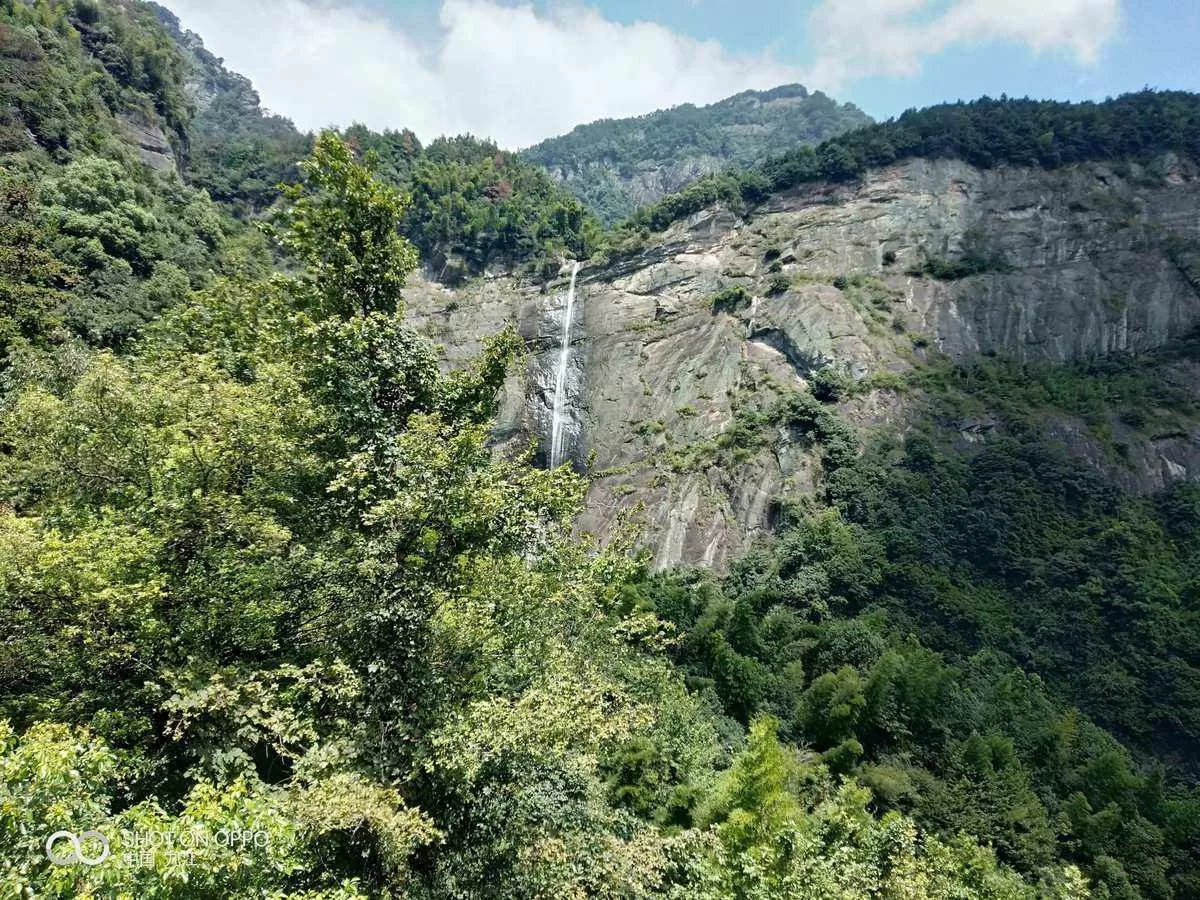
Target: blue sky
<point>521,71</point>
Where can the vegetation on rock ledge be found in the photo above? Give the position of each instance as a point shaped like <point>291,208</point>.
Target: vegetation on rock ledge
<point>1132,128</point>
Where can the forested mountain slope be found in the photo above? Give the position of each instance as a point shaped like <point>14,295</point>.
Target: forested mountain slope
<point>616,166</point>
<point>274,565</point>
<point>474,206</point>
<point>237,151</point>
<point>97,233</point>
<point>985,133</point>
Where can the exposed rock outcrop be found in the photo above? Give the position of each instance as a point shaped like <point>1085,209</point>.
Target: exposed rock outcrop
<point>147,135</point>
<point>1083,260</point>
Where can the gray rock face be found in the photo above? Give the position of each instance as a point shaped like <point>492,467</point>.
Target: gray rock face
<point>1084,260</point>
<point>150,140</point>
<point>1086,266</point>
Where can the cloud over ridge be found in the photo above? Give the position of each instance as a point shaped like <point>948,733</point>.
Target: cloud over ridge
<point>504,72</point>
<point>518,75</point>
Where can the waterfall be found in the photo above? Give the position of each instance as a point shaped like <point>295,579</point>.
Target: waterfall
<point>558,434</point>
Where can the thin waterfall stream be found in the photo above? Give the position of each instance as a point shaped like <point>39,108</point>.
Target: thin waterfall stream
<point>558,433</point>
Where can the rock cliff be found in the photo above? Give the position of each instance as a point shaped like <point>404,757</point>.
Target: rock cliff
<point>924,257</point>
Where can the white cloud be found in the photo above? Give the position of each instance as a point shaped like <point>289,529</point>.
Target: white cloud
<point>859,38</point>
<point>505,72</point>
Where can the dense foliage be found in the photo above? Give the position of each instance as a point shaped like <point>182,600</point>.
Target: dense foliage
<point>999,642</point>
<point>109,241</point>
<point>68,67</point>
<point>661,151</point>
<point>985,133</point>
<point>472,201</point>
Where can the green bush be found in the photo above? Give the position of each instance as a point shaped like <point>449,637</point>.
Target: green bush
<point>778,284</point>
<point>829,384</point>
<point>729,300</point>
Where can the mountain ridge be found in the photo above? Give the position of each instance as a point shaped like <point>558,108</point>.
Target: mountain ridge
<point>619,165</point>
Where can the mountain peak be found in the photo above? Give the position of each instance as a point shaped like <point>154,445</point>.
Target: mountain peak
<point>618,165</point>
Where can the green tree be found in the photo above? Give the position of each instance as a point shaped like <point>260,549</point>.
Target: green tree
<point>33,281</point>
<point>343,225</point>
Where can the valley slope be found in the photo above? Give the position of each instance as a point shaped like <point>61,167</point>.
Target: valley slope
<point>938,425</point>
